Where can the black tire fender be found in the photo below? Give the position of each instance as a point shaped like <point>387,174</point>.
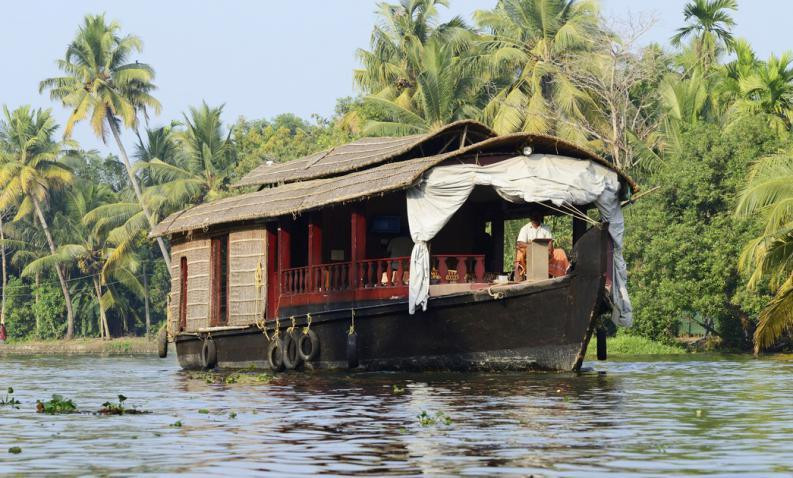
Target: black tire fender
<point>275,354</point>
<point>352,350</point>
<point>292,357</point>
<point>209,354</point>
<point>162,342</point>
<point>308,345</point>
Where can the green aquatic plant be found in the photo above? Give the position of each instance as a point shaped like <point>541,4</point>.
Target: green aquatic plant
<point>8,400</point>
<point>56,405</point>
<point>247,378</point>
<point>203,410</point>
<point>425,419</point>
<point>15,450</point>
<point>176,424</point>
<point>397,389</point>
<point>232,414</point>
<point>109,408</point>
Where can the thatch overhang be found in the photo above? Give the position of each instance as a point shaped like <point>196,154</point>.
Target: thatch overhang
<point>300,197</point>
<point>367,152</point>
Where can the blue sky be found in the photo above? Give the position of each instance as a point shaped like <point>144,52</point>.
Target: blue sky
<point>262,58</point>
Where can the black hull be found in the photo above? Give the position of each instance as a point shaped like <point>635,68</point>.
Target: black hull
<point>542,325</point>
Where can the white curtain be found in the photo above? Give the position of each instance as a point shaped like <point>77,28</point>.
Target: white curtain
<point>534,178</point>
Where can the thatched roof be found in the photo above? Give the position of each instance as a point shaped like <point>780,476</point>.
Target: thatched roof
<point>299,197</point>
<point>367,152</point>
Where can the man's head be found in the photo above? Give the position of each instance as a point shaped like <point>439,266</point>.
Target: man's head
<point>536,218</point>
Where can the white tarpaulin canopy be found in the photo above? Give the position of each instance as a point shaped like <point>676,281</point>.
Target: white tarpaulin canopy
<point>534,178</point>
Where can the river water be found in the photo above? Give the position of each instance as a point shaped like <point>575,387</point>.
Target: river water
<point>730,416</point>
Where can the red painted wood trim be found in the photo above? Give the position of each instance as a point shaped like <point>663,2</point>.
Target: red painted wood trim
<point>314,240</point>
<point>284,247</point>
<point>357,243</point>
<point>314,248</point>
<point>272,271</point>
<point>374,293</point>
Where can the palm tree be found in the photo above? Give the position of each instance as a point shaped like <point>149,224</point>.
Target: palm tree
<point>684,102</point>
<point>197,170</point>
<point>25,243</point>
<point>391,67</point>
<point>529,41</point>
<point>444,92</point>
<point>30,171</point>
<point>90,250</point>
<point>5,271</point>
<point>769,193</point>
<point>709,22</point>
<point>101,84</point>
<point>768,89</point>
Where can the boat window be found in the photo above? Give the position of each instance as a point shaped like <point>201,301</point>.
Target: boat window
<point>220,267</point>
<point>183,293</point>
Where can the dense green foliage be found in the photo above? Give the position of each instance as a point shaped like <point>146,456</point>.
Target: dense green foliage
<point>696,118</point>
<point>683,241</point>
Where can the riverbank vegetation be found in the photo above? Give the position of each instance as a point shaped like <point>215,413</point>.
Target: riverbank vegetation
<point>703,117</point>
<point>627,344</point>
<point>81,346</point>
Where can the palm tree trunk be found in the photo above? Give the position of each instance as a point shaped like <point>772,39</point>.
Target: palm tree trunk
<point>146,300</point>
<point>136,187</point>
<point>36,301</point>
<point>105,333</point>
<point>5,271</point>
<point>61,276</point>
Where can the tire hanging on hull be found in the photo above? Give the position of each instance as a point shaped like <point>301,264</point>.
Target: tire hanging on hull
<point>162,342</point>
<point>209,354</point>
<point>308,345</point>
<point>292,358</point>
<point>275,354</point>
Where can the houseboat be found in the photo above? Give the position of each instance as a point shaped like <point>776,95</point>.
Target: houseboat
<point>388,254</point>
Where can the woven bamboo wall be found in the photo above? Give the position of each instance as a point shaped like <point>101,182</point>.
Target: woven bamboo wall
<point>197,253</point>
<point>247,295</point>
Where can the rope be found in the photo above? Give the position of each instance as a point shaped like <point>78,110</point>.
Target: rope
<point>292,327</point>
<point>572,212</point>
<point>307,328</point>
<point>495,295</point>
<point>352,323</point>
<point>258,279</point>
<point>576,213</point>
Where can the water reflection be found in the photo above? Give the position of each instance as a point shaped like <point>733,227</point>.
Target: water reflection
<point>707,415</point>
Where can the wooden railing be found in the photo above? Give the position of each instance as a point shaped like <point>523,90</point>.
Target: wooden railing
<point>392,272</point>
<point>458,268</point>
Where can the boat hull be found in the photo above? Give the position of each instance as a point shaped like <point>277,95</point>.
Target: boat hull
<point>541,325</point>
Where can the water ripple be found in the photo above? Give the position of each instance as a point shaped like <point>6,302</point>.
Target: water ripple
<point>711,415</point>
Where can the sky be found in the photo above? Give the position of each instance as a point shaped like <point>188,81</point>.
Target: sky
<point>262,58</point>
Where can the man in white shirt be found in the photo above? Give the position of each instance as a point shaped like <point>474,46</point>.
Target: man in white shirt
<point>535,229</point>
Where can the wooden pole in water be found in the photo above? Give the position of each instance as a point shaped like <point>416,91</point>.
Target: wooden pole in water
<point>601,343</point>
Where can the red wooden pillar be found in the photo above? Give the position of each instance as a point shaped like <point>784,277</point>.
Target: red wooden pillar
<point>314,250</point>
<point>357,244</point>
<point>284,257</point>
<point>284,250</point>
<point>273,276</point>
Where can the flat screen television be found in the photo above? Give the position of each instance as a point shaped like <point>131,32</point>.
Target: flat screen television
<point>386,225</point>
